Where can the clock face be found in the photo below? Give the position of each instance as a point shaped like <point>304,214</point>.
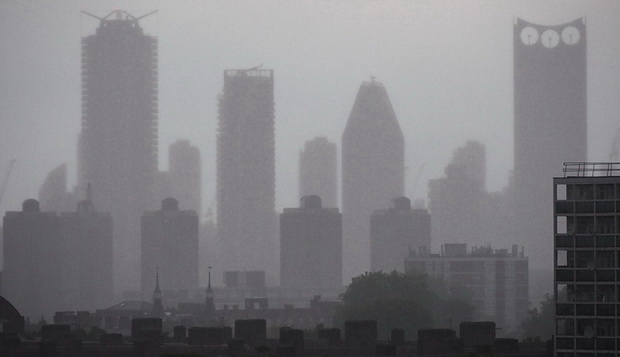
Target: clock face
<point>570,35</point>
<point>550,38</point>
<point>529,35</point>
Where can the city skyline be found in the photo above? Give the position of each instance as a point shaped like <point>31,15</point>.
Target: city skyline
<point>411,92</point>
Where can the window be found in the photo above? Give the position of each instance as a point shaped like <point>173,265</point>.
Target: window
<point>560,191</point>
<point>585,327</point>
<point>565,327</point>
<point>605,327</point>
<point>605,259</point>
<point>565,293</point>
<point>605,293</point>
<point>605,192</point>
<point>562,258</point>
<point>605,225</point>
<point>562,225</point>
<point>584,259</point>
<point>584,293</point>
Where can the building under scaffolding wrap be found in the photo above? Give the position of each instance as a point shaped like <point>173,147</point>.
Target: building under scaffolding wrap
<point>118,142</point>
<point>246,216</point>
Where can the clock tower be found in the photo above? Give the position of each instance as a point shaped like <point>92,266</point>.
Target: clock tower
<point>550,124</point>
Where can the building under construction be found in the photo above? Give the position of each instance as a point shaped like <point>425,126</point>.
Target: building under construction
<point>118,142</point>
<point>247,226</point>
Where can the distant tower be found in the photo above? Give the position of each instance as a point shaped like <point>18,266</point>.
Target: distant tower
<point>550,123</point>
<point>170,241</point>
<point>318,171</point>
<point>184,174</point>
<point>118,141</point>
<point>53,194</point>
<point>246,218</point>
<point>373,170</point>
<point>396,231</point>
<point>456,200</point>
<point>311,247</point>
<point>158,307</point>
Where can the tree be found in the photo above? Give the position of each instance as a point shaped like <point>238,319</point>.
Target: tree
<point>540,323</point>
<point>397,300</point>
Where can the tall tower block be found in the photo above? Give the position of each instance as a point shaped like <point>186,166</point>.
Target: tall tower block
<point>118,141</point>
<point>550,123</point>
<point>318,171</point>
<point>373,171</point>
<point>246,218</point>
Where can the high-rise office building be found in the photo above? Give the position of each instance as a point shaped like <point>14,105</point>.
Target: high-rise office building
<point>32,273</point>
<point>246,218</point>
<point>311,247</point>
<point>182,180</point>
<point>373,170</point>
<point>170,243</point>
<point>456,200</point>
<point>396,231</point>
<point>87,277</point>
<point>118,142</point>
<point>57,262</point>
<point>497,279</point>
<point>318,171</point>
<point>550,122</point>
<point>587,256</point>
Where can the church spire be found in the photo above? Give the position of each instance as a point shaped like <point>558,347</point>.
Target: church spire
<point>158,308</point>
<point>209,311</point>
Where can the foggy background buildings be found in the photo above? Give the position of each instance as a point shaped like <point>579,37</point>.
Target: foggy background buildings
<point>427,54</point>
<point>448,69</point>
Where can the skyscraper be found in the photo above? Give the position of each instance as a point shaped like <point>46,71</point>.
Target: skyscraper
<point>118,142</point>
<point>456,201</point>
<point>57,261</point>
<point>550,122</point>
<point>318,171</point>
<point>53,195</point>
<point>170,243</point>
<point>373,170</point>
<point>246,217</point>
<point>311,247</point>
<point>184,168</point>
<point>182,180</point>
<point>396,231</point>
<point>32,246</point>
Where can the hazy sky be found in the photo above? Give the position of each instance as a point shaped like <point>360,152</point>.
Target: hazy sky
<point>447,66</point>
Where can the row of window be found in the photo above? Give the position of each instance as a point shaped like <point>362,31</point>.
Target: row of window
<point>586,354</point>
<point>583,192</point>
<point>572,225</point>
<point>588,259</point>
<point>593,344</point>
<point>582,309</point>
<point>569,275</point>
<point>587,207</point>
<point>586,293</point>
<point>587,242</point>
<point>586,327</point>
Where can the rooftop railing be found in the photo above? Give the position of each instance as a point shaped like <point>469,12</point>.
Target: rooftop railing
<point>591,169</point>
